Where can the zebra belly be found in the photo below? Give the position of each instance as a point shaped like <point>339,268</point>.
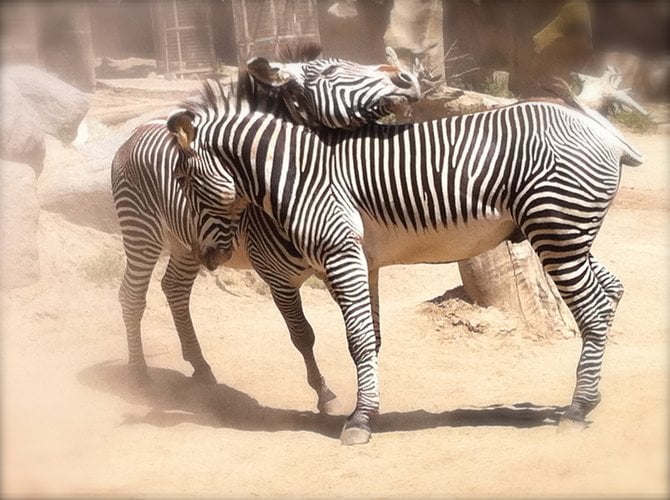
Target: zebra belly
<point>388,245</point>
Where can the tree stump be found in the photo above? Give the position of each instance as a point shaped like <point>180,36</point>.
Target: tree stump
<point>510,277</point>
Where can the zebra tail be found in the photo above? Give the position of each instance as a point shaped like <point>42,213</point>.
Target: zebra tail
<point>559,87</point>
<point>631,157</point>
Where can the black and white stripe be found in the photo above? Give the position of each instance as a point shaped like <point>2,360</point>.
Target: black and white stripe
<point>153,213</point>
<point>439,191</point>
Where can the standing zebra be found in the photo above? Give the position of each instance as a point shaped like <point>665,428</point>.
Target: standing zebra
<point>439,191</point>
<point>154,215</point>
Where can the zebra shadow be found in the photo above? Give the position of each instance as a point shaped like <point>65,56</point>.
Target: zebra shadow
<point>173,398</point>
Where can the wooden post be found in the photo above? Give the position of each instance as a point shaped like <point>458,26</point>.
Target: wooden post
<point>510,277</point>
<point>66,46</point>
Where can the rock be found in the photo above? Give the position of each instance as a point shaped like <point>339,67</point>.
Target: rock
<point>77,187</point>
<point>132,67</point>
<point>76,180</point>
<point>19,215</point>
<point>344,9</point>
<point>106,146</point>
<point>158,113</point>
<point>21,136</point>
<point>60,106</point>
<point>460,102</point>
<point>415,30</point>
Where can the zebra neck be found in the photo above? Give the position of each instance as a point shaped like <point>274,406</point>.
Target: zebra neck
<point>273,161</point>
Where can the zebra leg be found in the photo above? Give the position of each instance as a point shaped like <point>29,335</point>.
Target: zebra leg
<point>593,311</point>
<point>287,300</point>
<point>140,263</point>
<point>610,283</point>
<point>347,277</point>
<point>177,283</point>
<point>373,280</point>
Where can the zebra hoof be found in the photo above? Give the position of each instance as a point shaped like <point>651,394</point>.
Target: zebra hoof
<point>204,376</point>
<point>356,434</point>
<point>330,407</point>
<point>571,421</point>
<point>567,426</point>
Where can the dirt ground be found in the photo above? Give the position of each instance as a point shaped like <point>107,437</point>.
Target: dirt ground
<point>469,402</point>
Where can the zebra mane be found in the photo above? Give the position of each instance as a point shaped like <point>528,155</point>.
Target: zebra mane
<point>214,99</point>
<point>249,95</point>
<point>299,52</point>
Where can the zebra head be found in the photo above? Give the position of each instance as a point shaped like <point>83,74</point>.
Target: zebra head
<point>214,204</point>
<point>336,93</point>
<point>325,92</point>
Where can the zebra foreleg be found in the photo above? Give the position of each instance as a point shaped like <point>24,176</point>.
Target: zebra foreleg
<point>133,299</point>
<point>593,310</point>
<point>287,300</point>
<point>177,284</point>
<point>347,277</point>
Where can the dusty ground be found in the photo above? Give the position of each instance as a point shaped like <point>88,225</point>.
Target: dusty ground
<point>468,401</point>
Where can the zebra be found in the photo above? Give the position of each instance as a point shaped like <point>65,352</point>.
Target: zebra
<point>431,192</point>
<point>154,215</point>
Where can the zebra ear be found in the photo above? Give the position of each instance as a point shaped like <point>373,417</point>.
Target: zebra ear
<point>261,71</point>
<point>180,123</point>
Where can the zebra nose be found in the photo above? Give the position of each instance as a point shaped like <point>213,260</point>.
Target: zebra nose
<point>212,257</point>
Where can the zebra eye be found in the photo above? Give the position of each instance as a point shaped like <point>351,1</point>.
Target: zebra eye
<point>329,70</point>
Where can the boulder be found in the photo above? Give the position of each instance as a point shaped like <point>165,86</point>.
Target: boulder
<point>76,180</point>
<point>60,106</point>
<point>21,136</point>
<point>78,188</point>
<point>415,30</point>
<point>19,214</point>
<point>105,146</point>
<point>158,113</point>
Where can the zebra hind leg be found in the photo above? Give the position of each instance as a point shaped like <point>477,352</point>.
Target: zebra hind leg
<point>610,283</point>
<point>177,284</point>
<point>593,310</point>
<point>132,297</point>
<point>287,300</point>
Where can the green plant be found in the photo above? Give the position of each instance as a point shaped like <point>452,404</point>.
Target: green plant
<point>635,122</point>
<point>104,268</point>
<point>496,88</point>
<point>389,119</point>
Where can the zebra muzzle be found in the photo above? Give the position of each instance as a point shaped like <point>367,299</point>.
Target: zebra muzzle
<point>211,257</point>
<point>214,257</point>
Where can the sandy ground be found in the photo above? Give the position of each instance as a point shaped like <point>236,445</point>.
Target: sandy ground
<point>469,403</point>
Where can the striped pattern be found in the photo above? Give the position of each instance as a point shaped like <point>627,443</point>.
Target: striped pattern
<point>440,191</point>
<point>362,96</point>
<point>155,216</point>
